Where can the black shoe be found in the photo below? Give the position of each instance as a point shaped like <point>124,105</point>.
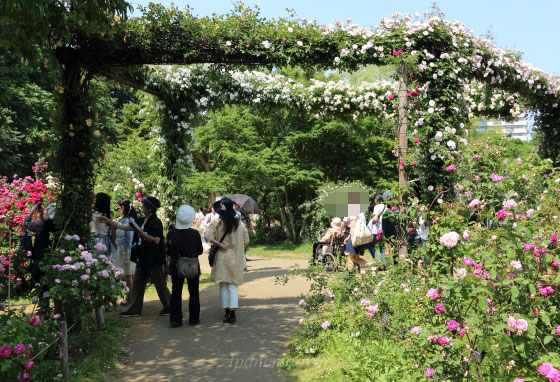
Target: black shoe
<point>231,318</point>
<point>226,317</point>
<point>164,312</point>
<point>192,323</point>
<point>176,324</point>
<point>128,315</point>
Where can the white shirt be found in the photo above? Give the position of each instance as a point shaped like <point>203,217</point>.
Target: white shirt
<point>98,228</point>
<point>199,216</point>
<point>378,210</point>
<point>348,219</point>
<point>423,229</point>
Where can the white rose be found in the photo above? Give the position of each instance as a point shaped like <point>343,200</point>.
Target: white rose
<point>438,136</point>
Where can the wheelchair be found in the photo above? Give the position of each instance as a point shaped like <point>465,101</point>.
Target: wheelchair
<point>333,259</point>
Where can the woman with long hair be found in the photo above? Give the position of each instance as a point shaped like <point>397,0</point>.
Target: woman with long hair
<point>103,236</point>
<point>124,245</point>
<point>231,237</point>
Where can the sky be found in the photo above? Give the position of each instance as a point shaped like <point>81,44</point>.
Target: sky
<point>529,25</point>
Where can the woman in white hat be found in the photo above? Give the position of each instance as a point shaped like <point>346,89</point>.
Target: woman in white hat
<point>335,230</point>
<point>183,241</point>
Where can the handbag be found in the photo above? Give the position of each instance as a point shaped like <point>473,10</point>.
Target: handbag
<point>187,267</point>
<point>213,251</point>
<point>361,234</point>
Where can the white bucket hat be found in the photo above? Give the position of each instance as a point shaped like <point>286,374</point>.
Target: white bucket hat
<point>51,210</point>
<point>336,223</point>
<point>185,217</point>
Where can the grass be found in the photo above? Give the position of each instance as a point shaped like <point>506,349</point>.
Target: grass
<point>281,251</point>
<point>91,353</point>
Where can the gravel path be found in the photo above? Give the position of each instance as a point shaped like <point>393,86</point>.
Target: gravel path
<point>249,350</point>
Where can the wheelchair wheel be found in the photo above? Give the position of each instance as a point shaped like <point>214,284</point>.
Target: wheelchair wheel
<point>329,262</point>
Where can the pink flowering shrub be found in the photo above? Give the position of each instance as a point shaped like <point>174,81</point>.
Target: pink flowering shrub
<point>21,337</point>
<point>485,301</point>
<point>80,281</point>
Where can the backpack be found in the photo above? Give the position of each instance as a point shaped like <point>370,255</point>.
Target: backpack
<point>389,224</point>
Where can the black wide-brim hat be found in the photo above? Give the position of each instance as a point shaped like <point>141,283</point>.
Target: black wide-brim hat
<point>152,203</point>
<point>224,208</point>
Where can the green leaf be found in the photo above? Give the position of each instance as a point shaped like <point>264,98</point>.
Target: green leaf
<point>547,339</point>
<point>514,292</point>
<point>545,319</point>
<point>482,303</point>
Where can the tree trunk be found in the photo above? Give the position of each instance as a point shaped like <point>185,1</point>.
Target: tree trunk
<point>290,213</point>
<point>403,151</point>
<point>283,219</point>
<point>75,156</point>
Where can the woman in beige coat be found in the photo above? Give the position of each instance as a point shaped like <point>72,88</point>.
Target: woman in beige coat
<point>228,268</point>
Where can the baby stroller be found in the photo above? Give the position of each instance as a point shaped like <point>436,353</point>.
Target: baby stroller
<point>333,257</point>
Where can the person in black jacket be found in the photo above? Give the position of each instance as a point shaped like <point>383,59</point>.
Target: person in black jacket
<point>149,259</point>
<point>42,229</point>
<point>184,241</point>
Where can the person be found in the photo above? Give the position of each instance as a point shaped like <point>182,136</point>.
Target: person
<point>183,241</point>
<point>103,237</point>
<point>335,230</point>
<point>199,218</point>
<point>246,219</point>
<point>231,237</point>
<point>354,253</point>
<point>150,257</point>
<point>42,229</point>
<point>376,248</point>
<point>124,245</point>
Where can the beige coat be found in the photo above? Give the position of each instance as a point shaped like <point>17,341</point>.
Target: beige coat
<point>229,265</point>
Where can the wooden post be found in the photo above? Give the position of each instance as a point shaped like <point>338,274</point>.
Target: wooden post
<point>100,318</point>
<point>402,152</point>
<point>63,349</point>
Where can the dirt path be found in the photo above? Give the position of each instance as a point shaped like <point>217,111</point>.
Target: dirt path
<point>249,350</point>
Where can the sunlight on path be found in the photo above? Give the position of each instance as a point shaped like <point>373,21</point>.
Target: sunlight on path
<point>212,351</point>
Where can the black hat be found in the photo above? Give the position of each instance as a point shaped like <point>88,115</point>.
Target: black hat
<point>224,208</point>
<point>152,203</point>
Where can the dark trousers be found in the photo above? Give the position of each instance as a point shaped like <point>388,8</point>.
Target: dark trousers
<point>176,309</point>
<point>141,278</point>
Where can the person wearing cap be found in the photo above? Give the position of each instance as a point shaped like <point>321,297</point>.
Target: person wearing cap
<point>150,260</point>
<point>231,237</point>
<point>183,241</point>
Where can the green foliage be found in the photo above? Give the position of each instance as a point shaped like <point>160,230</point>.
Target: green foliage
<point>26,100</point>
<point>492,289</point>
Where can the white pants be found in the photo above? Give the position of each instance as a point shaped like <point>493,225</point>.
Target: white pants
<point>228,292</point>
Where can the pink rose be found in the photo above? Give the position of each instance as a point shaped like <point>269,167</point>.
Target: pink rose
<point>462,332</point>
<point>452,324</point>
<point>417,140</point>
<point>29,365</point>
<point>429,372</point>
<point>84,277</point>
<point>439,309</point>
<point>449,239</point>
<point>517,380</point>
<point>5,351</point>
<point>416,330</point>
<point>443,341</point>
<point>467,235</point>
<point>391,97</point>
<point>19,349</point>
<point>68,259</point>
<point>521,324</point>
<point>545,368</point>
<point>433,294</point>
<point>501,215</point>
<point>509,204</point>
<point>558,330</point>
<point>516,265</point>
<point>34,320</point>
<point>497,178</point>
<point>450,168</point>
<point>325,325</point>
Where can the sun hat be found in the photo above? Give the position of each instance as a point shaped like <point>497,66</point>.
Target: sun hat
<point>152,203</point>
<point>224,208</point>
<point>185,217</point>
<point>336,223</point>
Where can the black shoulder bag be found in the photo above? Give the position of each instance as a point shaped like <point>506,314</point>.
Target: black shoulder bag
<point>213,251</point>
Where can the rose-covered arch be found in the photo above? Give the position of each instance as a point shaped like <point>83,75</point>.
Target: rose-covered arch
<point>439,57</point>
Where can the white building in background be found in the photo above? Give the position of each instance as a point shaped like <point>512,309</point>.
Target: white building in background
<point>518,129</point>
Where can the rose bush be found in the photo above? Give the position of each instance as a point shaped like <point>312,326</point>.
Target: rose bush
<point>485,304</point>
